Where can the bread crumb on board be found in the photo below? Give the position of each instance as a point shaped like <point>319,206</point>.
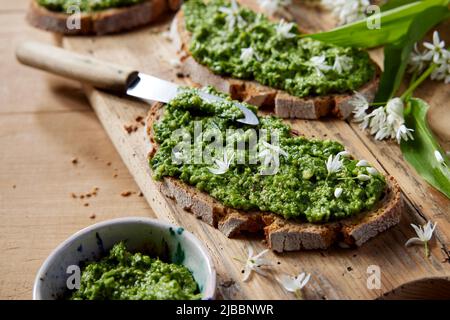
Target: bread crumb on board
<point>90,194</point>
<point>127,193</point>
<point>74,161</point>
<point>130,128</point>
<point>92,216</point>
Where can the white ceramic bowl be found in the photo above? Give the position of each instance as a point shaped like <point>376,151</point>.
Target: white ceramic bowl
<point>141,234</point>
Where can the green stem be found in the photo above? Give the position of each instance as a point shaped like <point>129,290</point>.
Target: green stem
<point>417,82</point>
<point>377,104</point>
<point>413,77</point>
<point>298,294</point>
<point>348,178</point>
<point>237,259</point>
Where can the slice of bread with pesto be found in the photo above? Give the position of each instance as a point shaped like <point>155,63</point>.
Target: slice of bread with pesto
<point>269,64</point>
<point>305,204</point>
<point>96,17</point>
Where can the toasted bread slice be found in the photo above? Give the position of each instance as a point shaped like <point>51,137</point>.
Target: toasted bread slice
<point>281,234</point>
<point>283,104</point>
<point>102,22</point>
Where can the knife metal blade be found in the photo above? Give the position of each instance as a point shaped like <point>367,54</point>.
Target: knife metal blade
<point>151,88</point>
<point>109,76</point>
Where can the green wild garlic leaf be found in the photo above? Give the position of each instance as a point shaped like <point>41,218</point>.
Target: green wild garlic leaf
<point>395,23</point>
<point>392,4</point>
<point>420,152</point>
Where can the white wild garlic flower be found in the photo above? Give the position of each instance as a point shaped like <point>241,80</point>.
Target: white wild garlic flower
<point>434,52</point>
<point>424,234</point>
<point>272,7</point>
<point>396,120</point>
<point>404,133</point>
<point>416,61</point>
<point>284,29</point>
<point>247,54</point>
<point>320,65</point>
<point>347,11</point>
<point>177,157</point>
<point>363,177</point>
<point>334,164</point>
<point>394,110</point>
<point>384,122</point>
<point>362,163</point>
<point>377,123</point>
<point>442,72</point>
<point>360,107</point>
<point>435,48</point>
<point>344,153</point>
<point>274,149</point>
<point>294,284</point>
<point>256,263</point>
<point>222,166</point>
<point>233,17</point>
<point>338,192</point>
<point>342,64</point>
<point>271,153</point>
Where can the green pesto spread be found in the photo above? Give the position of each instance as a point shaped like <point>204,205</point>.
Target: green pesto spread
<point>288,62</point>
<point>85,5</point>
<point>302,189</point>
<point>123,275</point>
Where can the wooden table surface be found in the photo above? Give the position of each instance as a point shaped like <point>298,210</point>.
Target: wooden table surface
<point>46,123</point>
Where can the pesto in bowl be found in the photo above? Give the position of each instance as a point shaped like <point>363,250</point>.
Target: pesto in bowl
<point>123,275</point>
<point>246,45</point>
<point>85,5</point>
<point>302,188</point>
<point>156,260</point>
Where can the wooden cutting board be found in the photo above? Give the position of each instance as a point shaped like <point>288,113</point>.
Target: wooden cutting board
<point>337,273</point>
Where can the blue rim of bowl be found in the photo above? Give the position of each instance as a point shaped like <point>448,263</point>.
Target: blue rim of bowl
<point>209,289</point>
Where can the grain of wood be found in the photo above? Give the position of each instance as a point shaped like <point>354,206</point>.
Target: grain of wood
<point>34,221</point>
<point>7,6</point>
<point>337,273</point>
<point>45,122</point>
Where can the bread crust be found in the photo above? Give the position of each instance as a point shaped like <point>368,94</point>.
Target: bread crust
<point>283,104</point>
<point>102,22</point>
<point>281,234</point>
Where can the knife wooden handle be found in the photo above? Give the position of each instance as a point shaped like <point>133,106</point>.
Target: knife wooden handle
<point>100,74</point>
